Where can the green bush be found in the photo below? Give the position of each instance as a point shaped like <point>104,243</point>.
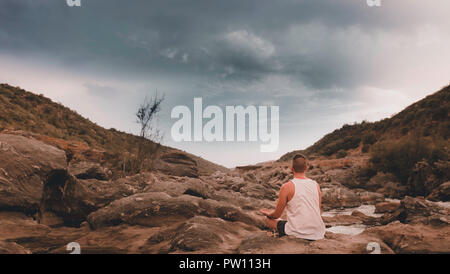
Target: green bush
<point>399,157</point>
<point>345,143</point>
<point>369,139</point>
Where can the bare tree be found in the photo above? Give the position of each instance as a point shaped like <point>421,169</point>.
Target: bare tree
<point>147,111</point>
<point>149,137</point>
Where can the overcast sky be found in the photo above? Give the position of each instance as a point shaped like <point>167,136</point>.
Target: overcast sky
<point>324,62</point>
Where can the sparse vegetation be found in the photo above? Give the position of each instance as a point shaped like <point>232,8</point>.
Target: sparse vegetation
<point>145,115</point>
<point>428,117</point>
<point>23,110</point>
<point>400,156</point>
<point>369,139</point>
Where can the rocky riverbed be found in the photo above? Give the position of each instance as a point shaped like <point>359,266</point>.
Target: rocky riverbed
<point>47,202</point>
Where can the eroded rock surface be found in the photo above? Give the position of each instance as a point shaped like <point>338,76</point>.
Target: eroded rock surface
<point>46,204</point>
<point>24,165</point>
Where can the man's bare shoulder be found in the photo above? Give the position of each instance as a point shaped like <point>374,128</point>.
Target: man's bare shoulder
<point>288,185</point>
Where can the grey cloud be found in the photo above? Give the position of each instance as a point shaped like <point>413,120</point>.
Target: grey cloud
<point>102,91</point>
<point>307,56</point>
<point>243,39</point>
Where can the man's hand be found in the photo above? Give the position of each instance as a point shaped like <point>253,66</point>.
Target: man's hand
<point>266,211</point>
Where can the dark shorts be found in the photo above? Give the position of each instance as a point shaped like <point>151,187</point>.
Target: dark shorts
<point>280,228</point>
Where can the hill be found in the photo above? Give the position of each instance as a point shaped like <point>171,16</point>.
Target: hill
<point>427,118</point>
<point>55,189</point>
<point>53,123</point>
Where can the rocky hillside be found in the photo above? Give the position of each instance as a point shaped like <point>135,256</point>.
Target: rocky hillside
<point>25,113</point>
<point>428,118</point>
<point>408,152</point>
<point>57,188</point>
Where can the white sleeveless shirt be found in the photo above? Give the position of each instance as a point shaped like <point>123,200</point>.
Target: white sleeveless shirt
<point>303,211</point>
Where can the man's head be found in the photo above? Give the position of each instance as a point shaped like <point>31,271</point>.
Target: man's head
<point>299,164</point>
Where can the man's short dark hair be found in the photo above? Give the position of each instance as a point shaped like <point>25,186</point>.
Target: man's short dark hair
<point>299,163</point>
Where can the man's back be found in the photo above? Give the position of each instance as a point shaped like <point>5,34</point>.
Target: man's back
<point>303,211</point>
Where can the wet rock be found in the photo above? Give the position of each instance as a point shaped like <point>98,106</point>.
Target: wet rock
<point>24,165</point>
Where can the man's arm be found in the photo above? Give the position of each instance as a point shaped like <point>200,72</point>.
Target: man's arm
<point>281,204</point>
<point>320,198</point>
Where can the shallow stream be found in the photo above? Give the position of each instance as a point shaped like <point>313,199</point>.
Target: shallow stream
<point>369,210</point>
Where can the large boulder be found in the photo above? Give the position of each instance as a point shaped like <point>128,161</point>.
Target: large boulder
<point>345,176</point>
<point>265,243</point>
<point>422,180</point>
<point>88,170</point>
<point>12,248</point>
<point>341,220</point>
<point>258,191</point>
<point>177,163</point>
<point>229,212</point>
<point>199,234</point>
<point>339,197</point>
<point>393,190</point>
<point>24,166</point>
<point>17,225</point>
<point>198,188</point>
<point>368,197</point>
<point>409,238</point>
<point>441,193</point>
<point>239,200</point>
<point>386,184</point>
<point>72,199</point>
<point>379,180</point>
<point>418,211</point>
<point>147,209</point>
<point>202,233</point>
<point>227,181</point>
<point>387,207</point>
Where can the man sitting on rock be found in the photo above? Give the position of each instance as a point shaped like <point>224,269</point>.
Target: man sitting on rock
<point>303,201</point>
